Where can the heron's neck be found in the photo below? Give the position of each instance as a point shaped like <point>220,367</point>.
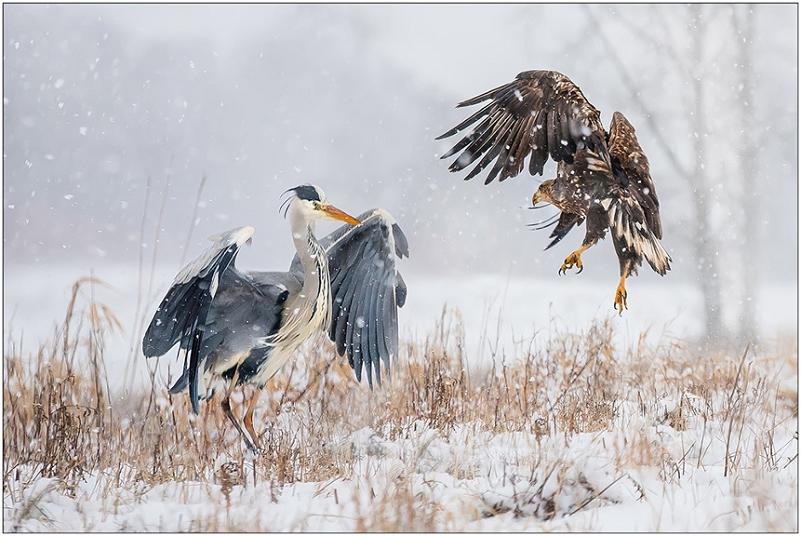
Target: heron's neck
<point>309,311</point>
<point>311,253</point>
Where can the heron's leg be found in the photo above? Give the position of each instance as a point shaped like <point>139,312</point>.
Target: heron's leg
<point>574,259</point>
<point>248,420</point>
<point>226,407</point>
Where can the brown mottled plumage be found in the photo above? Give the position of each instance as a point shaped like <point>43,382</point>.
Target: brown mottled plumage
<point>601,177</point>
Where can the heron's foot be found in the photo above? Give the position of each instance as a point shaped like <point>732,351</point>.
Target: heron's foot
<point>253,443</point>
<point>254,449</point>
<point>248,422</point>
<point>620,297</point>
<point>226,407</point>
<point>574,259</point>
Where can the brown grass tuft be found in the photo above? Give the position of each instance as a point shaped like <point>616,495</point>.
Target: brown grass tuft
<point>62,422</point>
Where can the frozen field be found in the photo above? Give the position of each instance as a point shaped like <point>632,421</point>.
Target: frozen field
<point>500,315</point>
<point>467,479</point>
<point>517,402</point>
<point>579,427</point>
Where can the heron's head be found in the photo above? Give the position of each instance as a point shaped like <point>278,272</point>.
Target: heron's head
<point>544,193</point>
<point>310,201</point>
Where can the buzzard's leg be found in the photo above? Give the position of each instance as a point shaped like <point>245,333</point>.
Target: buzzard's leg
<point>248,420</point>
<point>620,296</point>
<point>596,229</point>
<point>627,266</point>
<point>574,259</point>
<point>226,407</point>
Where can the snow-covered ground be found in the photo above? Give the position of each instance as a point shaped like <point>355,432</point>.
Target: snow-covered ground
<point>650,454</point>
<point>467,479</point>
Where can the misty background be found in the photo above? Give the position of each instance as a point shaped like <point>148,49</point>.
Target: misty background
<point>113,114</point>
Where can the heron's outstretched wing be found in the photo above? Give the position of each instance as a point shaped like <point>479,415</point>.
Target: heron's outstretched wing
<point>366,290</point>
<point>182,314</point>
<point>540,113</point>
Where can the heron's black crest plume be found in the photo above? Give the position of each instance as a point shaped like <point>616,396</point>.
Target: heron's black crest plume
<point>307,192</point>
<point>284,208</point>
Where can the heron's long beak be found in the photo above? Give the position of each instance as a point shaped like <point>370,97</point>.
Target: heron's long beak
<point>334,213</point>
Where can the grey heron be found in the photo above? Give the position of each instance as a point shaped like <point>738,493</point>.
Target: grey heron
<point>241,327</point>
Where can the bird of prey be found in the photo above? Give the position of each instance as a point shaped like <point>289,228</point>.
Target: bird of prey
<point>242,327</point>
<point>602,177</point>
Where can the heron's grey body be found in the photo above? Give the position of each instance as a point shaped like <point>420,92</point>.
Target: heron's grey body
<point>248,324</point>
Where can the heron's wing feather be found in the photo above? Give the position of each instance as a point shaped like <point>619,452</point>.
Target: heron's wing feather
<point>182,314</point>
<point>540,113</point>
<point>193,280</point>
<point>366,291</point>
<point>264,319</point>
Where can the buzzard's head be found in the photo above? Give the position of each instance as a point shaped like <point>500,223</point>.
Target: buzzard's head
<point>544,194</point>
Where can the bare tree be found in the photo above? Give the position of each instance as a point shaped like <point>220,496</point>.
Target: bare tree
<point>691,65</point>
<point>743,22</point>
<point>705,245</point>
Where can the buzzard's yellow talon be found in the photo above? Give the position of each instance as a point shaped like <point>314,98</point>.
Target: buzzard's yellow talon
<point>574,259</point>
<point>620,297</point>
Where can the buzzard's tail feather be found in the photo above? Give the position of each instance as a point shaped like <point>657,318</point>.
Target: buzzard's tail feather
<point>655,254</point>
<point>633,236</point>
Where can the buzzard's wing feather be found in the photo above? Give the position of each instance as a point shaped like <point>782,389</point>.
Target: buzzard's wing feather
<point>632,235</point>
<point>629,158</point>
<point>540,113</point>
<point>633,209</point>
<point>566,223</point>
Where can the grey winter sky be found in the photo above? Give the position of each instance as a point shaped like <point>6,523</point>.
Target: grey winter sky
<point>259,98</point>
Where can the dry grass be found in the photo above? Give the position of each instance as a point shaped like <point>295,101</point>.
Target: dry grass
<point>62,422</point>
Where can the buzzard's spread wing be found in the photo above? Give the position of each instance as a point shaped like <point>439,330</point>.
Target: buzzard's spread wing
<point>629,158</point>
<point>632,207</point>
<point>567,221</point>
<point>540,113</point>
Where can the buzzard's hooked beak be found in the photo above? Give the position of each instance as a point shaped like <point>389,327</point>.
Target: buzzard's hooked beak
<point>536,198</point>
<point>337,214</point>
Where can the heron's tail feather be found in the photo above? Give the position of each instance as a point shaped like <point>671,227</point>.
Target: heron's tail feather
<point>181,383</point>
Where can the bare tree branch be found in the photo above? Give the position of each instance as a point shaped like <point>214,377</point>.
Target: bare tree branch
<point>665,48</point>
<point>628,81</point>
